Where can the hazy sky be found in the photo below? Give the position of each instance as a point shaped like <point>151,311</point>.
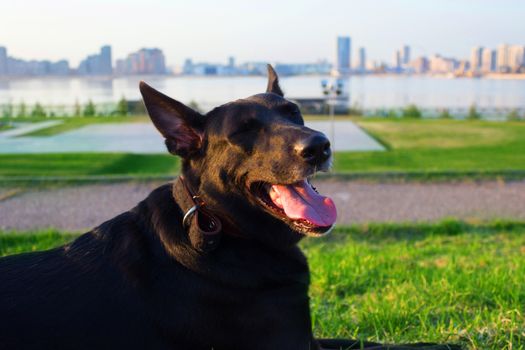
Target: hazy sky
<point>267,30</point>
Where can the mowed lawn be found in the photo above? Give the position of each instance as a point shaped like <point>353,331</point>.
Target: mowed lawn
<point>444,282</point>
<point>439,146</point>
<point>414,147</point>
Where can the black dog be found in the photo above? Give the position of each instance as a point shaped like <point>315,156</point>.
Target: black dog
<point>208,262</point>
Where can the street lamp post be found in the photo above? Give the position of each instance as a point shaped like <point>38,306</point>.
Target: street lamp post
<point>332,89</point>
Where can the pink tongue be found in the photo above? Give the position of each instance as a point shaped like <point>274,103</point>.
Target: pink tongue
<point>300,201</point>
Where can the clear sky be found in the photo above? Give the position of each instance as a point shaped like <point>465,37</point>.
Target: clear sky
<point>264,30</point>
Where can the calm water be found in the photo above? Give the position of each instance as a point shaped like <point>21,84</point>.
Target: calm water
<point>370,92</point>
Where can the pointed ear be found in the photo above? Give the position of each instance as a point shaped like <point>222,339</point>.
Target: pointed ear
<point>273,82</point>
<point>180,125</point>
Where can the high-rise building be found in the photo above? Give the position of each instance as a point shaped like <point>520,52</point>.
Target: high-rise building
<point>3,61</point>
<point>516,57</point>
<point>503,58</point>
<point>488,60</point>
<point>396,60</point>
<point>97,64</point>
<point>442,65</point>
<point>144,61</point>
<point>231,62</point>
<point>476,58</point>
<point>344,51</point>
<point>105,64</point>
<point>419,65</point>
<point>362,60</point>
<point>406,55</point>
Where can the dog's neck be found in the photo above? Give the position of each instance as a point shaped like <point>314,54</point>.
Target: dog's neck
<point>289,266</point>
<point>204,227</point>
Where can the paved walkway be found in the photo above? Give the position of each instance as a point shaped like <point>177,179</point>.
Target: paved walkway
<point>144,138</point>
<point>83,207</point>
<point>25,128</point>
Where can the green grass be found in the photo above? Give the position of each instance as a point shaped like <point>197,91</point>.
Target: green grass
<point>444,282</point>
<point>439,146</point>
<point>87,164</point>
<point>420,149</point>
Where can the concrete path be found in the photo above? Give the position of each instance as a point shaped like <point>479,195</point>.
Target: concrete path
<point>83,207</point>
<point>144,138</point>
<point>24,128</point>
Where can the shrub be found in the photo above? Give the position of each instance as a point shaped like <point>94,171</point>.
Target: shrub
<point>392,113</point>
<point>513,115</point>
<point>411,111</point>
<point>22,110</point>
<point>89,109</point>
<point>473,113</point>
<point>38,111</point>
<point>355,109</point>
<point>122,107</point>
<point>445,114</point>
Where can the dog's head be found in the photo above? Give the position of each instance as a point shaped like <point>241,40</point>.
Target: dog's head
<point>250,161</point>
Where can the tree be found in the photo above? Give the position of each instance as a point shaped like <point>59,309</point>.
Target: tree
<point>194,105</point>
<point>513,115</point>
<point>8,110</point>
<point>122,107</point>
<point>22,110</point>
<point>38,111</point>
<point>411,111</point>
<point>473,113</point>
<point>445,114</point>
<point>392,113</point>
<point>89,109</point>
<point>77,112</point>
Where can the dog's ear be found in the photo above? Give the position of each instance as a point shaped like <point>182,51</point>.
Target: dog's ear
<point>273,82</point>
<point>181,126</point>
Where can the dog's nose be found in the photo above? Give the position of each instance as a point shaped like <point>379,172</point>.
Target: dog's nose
<point>315,149</point>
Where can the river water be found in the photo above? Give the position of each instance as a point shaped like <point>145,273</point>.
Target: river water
<point>369,92</point>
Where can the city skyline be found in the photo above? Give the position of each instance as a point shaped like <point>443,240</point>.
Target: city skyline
<point>483,60</point>
<point>276,31</point>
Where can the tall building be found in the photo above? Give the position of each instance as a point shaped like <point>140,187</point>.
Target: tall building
<point>3,61</point>
<point>406,55</point>
<point>503,58</point>
<point>516,57</point>
<point>442,65</point>
<point>144,61</point>
<point>396,60</point>
<point>362,60</point>
<point>231,62</point>
<point>419,65</point>
<point>97,64</point>
<point>105,64</point>
<point>476,58</point>
<point>344,51</point>
<point>488,60</point>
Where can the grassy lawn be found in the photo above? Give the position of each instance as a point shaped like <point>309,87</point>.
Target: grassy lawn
<point>444,282</point>
<point>439,146</point>
<point>87,164</point>
<point>426,148</point>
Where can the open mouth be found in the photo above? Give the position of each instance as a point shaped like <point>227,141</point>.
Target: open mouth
<point>299,204</point>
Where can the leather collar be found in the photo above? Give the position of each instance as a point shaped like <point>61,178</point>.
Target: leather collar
<point>202,226</point>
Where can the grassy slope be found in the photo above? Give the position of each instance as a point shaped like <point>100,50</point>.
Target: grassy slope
<point>442,282</point>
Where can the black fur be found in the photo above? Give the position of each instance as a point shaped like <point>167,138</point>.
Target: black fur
<point>137,282</point>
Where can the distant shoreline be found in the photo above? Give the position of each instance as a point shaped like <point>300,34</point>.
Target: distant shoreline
<point>492,76</point>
